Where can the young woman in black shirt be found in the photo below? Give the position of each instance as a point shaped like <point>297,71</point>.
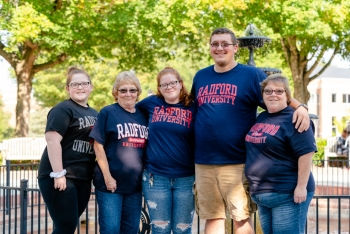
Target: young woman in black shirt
<point>67,163</point>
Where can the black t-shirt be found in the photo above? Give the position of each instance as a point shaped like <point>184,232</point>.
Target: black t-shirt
<point>74,123</point>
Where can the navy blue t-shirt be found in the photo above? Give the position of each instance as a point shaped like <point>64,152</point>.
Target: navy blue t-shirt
<point>170,143</point>
<point>273,149</point>
<point>123,136</point>
<point>226,109</point>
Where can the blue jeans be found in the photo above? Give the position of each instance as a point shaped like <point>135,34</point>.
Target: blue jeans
<point>119,213</point>
<point>280,215</point>
<point>170,203</point>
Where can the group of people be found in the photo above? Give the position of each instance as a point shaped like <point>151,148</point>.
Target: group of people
<point>206,149</point>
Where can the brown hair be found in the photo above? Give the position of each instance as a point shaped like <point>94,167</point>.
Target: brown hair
<point>224,31</point>
<point>126,77</point>
<point>184,95</point>
<point>278,77</point>
<point>74,70</point>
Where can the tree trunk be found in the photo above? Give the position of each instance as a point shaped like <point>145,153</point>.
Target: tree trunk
<point>300,84</point>
<point>298,64</point>
<point>24,87</point>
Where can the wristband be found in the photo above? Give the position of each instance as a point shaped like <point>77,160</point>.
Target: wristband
<point>303,105</point>
<point>58,174</point>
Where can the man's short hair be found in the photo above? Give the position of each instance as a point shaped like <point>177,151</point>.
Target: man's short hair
<point>224,31</point>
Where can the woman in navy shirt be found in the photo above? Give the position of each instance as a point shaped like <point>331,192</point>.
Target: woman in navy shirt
<point>120,136</point>
<point>169,166</point>
<point>279,159</point>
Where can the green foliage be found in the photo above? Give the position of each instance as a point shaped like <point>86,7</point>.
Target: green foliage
<point>107,36</point>
<point>341,124</point>
<point>49,86</point>
<point>38,121</point>
<point>303,31</point>
<point>319,155</point>
<point>5,130</point>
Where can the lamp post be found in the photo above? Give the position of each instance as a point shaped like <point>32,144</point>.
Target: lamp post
<point>253,39</point>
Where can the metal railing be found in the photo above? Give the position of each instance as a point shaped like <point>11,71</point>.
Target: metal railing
<point>22,209</point>
<point>332,177</point>
<point>27,213</point>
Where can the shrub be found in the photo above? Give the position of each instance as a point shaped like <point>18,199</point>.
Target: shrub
<point>318,158</point>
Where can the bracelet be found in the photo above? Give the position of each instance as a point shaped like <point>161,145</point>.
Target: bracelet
<point>58,174</point>
<point>303,105</point>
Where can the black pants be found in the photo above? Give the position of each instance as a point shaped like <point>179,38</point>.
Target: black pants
<point>65,207</point>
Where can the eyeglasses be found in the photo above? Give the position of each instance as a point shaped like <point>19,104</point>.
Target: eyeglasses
<point>124,91</point>
<point>223,45</point>
<point>277,91</point>
<point>76,85</point>
<point>171,84</point>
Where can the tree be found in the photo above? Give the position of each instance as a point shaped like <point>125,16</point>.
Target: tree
<point>304,31</point>
<point>36,35</point>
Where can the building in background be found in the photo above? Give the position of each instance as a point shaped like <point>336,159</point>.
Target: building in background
<point>330,100</point>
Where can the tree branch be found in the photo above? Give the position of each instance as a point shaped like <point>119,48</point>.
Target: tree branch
<point>285,50</point>
<point>10,58</point>
<point>31,44</point>
<point>326,65</point>
<point>40,67</point>
<point>315,64</point>
<point>58,5</point>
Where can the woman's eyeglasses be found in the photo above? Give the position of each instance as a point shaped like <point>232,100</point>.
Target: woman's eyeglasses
<point>76,85</point>
<point>124,91</point>
<point>277,91</point>
<point>171,84</point>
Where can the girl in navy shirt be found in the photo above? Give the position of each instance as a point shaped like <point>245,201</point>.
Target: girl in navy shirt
<point>169,165</point>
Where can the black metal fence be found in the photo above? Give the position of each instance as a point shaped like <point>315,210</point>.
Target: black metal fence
<point>22,209</point>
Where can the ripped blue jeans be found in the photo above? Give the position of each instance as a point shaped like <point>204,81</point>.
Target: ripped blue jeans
<point>170,203</point>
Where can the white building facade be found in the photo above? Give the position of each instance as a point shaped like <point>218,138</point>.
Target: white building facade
<point>330,100</point>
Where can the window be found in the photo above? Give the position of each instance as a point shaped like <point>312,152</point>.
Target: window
<point>348,98</point>
<point>334,129</point>
<point>334,97</point>
<point>344,98</point>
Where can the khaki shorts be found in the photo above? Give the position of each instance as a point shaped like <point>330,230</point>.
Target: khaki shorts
<point>221,189</point>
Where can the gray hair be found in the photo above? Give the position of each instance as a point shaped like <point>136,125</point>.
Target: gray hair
<point>126,77</point>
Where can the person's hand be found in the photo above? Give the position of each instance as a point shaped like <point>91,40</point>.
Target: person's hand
<point>60,183</point>
<point>299,194</point>
<point>111,184</point>
<point>301,119</point>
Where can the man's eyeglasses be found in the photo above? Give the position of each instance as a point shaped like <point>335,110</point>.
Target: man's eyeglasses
<point>277,91</point>
<point>171,84</point>
<point>223,45</point>
<point>76,85</point>
<point>124,91</point>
